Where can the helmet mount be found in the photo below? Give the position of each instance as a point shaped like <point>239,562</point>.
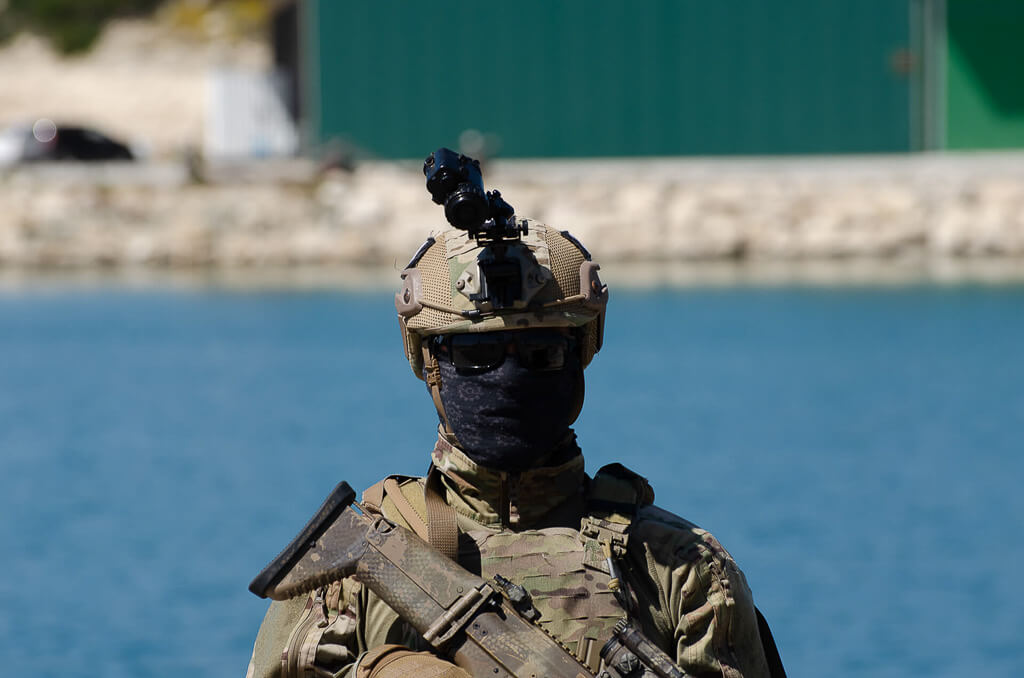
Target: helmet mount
<point>493,271</point>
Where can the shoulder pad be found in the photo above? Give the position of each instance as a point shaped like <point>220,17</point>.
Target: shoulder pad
<point>656,514</point>
<point>399,498</point>
<point>617,491</point>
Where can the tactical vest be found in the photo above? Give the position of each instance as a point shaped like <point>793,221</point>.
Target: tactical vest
<point>564,569</point>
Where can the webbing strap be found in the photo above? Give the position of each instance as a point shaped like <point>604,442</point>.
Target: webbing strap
<point>442,528</point>
<point>408,512</point>
<point>373,496</point>
<point>433,378</point>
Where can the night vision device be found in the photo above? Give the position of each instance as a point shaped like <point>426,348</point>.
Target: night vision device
<point>454,180</point>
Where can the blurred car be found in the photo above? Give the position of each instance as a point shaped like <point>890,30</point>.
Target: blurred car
<point>45,141</point>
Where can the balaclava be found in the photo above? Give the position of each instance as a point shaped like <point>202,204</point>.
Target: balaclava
<point>510,417</point>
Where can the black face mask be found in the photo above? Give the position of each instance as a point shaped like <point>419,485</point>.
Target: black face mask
<point>508,417</point>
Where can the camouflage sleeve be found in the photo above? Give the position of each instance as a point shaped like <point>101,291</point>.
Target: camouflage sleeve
<point>697,601</point>
<point>328,632</point>
<point>325,633</point>
<point>311,635</point>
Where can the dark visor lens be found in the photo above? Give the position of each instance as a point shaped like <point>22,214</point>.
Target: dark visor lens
<point>543,352</point>
<point>483,351</point>
<point>535,349</point>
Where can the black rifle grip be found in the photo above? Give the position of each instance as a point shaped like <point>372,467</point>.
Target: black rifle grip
<point>337,501</point>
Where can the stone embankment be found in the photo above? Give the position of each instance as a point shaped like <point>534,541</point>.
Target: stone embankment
<point>931,208</point>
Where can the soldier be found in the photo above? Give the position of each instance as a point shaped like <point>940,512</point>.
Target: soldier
<point>501,331</point>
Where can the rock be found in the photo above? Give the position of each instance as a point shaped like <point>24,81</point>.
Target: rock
<point>781,209</point>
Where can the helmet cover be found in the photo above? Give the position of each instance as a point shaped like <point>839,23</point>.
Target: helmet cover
<point>442,289</point>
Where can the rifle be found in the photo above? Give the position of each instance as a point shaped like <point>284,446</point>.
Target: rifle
<point>487,627</point>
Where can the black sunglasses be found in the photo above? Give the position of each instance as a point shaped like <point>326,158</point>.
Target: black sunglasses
<point>541,349</point>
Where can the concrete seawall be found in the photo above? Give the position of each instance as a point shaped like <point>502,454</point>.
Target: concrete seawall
<point>667,211</point>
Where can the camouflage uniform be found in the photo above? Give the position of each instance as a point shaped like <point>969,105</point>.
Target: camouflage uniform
<point>545,528</point>
<point>692,599</point>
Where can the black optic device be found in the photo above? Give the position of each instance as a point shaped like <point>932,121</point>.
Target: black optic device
<point>454,181</point>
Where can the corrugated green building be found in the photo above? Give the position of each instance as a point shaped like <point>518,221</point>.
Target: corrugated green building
<point>663,77</point>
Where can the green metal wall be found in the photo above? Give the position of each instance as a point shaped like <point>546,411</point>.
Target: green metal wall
<point>985,85</point>
<point>611,78</point>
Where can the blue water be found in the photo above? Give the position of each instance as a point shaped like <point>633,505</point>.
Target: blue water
<point>859,451</point>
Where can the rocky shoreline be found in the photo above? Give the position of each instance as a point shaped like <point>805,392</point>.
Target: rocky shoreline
<point>917,210</point>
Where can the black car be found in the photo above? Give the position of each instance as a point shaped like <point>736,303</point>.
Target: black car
<point>61,142</point>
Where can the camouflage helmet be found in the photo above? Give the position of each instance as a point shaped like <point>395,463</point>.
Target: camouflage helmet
<point>441,290</point>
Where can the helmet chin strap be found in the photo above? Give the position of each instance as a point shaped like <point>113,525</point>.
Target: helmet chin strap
<point>433,379</point>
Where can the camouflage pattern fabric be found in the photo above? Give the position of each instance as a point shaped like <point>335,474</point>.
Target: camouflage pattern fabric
<point>572,597</point>
<point>550,494</point>
<point>560,287</point>
<point>689,595</point>
<point>455,276</point>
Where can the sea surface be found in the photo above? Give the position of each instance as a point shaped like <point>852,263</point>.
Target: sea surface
<point>859,450</point>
